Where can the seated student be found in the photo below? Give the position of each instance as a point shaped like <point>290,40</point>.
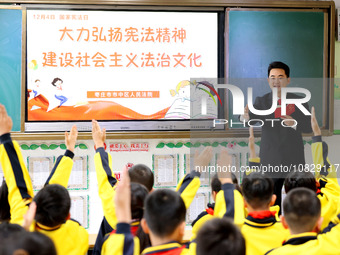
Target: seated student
<point>208,214</point>
<point>261,229</point>
<point>164,221</point>
<point>187,187</point>
<point>20,191</point>
<point>325,182</point>
<point>220,237</point>
<point>30,243</point>
<point>302,211</point>
<point>141,174</point>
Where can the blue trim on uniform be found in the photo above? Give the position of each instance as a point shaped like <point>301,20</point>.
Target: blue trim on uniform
<point>123,228</point>
<point>15,163</point>
<point>317,139</point>
<point>187,180</point>
<point>228,190</point>
<point>105,162</point>
<point>5,138</point>
<point>69,154</point>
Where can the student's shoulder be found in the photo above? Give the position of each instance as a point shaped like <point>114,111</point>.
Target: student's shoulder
<point>75,227</point>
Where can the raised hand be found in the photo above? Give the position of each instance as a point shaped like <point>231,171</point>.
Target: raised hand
<point>98,134</point>
<point>71,138</point>
<point>201,160</point>
<point>314,124</point>
<point>6,123</point>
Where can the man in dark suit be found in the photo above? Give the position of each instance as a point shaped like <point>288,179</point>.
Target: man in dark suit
<point>281,144</point>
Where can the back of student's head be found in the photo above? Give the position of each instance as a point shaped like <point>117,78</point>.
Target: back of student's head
<point>164,212</point>
<point>30,243</point>
<point>5,213</point>
<point>7,230</point>
<point>138,196</point>
<point>220,237</point>
<point>142,174</point>
<point>53,205</point>
<point>257,190</point>
<point>279,65</point>
<point>300,179</point>
<point>215,183</point>
<point>301,209</point>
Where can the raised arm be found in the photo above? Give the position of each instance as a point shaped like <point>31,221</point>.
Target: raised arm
<point>189,184</point>
<point>122,241</point>
<point>20,189</point>
<point>105,177</point>
<point>62,168</point>
<point>229,201</point>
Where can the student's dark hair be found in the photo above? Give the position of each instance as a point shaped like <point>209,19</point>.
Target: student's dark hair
<point>138,196</point>
<point>7,230</point>
<point>53,205</point>
<point>55,80</point>
<point>257,189</point>
<point>164,212</point>
<point>216,184</point>
<point>34,243</point>
<point>220,237</point>
<point>142,174</point>
<point>279,65</point>
<point>234,178</point>
<point>301,209</point>
<point>5,213</point>
<point>300,179</point>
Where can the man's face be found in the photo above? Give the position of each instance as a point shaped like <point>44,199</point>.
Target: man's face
<point>278,79</point>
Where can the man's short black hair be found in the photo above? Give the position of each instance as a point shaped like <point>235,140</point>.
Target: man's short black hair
<point>5,212</point>
<point>53,205</point>
<point>300,179</point>
<point>164,212</point>
<point>257,189</point>
<point>279,65</point>
<point>220,237</point>
<point>142,174</point>
<point>301,209</point>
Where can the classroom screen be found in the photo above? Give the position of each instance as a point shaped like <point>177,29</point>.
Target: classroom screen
<point>117,65</point>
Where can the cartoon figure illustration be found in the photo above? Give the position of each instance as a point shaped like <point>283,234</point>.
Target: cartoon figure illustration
<point>36,90</point>
<point>180,108</point>
<point>189,99</point>
<point>57,82</point>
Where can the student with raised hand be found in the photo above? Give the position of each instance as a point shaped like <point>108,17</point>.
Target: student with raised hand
<point>302,210</point>
<point>20,189</point>
<point>107,184</point>
<point>164,221</point>
<point>62,168</point>
<point>53,201</point>
<point>324,183</point>
<point>142,174</point>
<point>261,228</point>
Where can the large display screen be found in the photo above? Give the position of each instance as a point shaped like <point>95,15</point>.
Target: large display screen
<point>117,66</point>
